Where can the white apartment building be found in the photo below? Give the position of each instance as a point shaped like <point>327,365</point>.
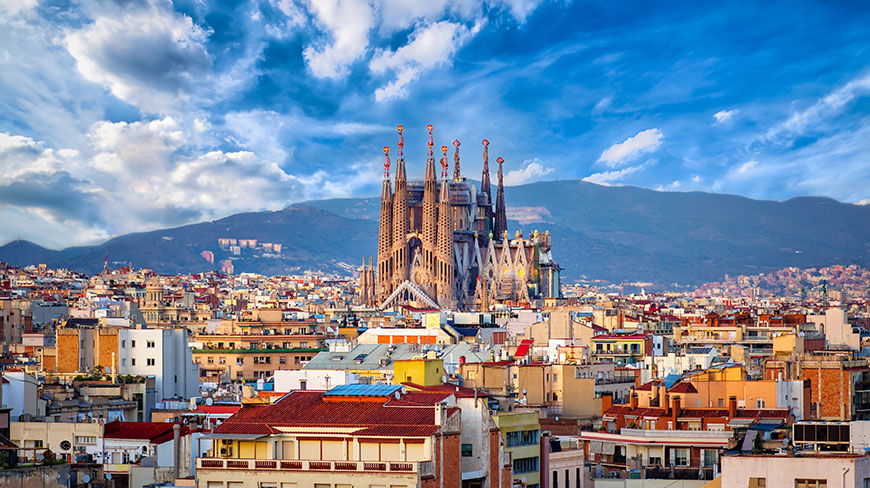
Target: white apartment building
<point>162,353</point>
<point>796,471</point>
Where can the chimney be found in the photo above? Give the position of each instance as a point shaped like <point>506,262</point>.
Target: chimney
<point>675,412</point>
<point>176,444</point>
<point>732,407</point>
<point>606,401</point>
<point>633,399</point>
<point>439,414</point>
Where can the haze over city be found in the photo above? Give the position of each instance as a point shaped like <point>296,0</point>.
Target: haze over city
<point>118,118</point>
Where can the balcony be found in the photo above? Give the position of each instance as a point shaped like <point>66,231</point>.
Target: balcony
<point>423,468</point>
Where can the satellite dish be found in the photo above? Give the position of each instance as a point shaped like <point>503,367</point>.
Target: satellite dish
<point>86,478</point>
<point>209,401</point>
<point>443,378</point>
<point>397,394</point>
<point>108,476</point>
<point>65,445</point>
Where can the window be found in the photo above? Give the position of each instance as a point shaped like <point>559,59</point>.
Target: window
<point>806,483</point>
<point>680,457</point>
<point>303,384</point>
<point>521,438</point>
<point>132,343</point>
<point>132,361</point>
<point>721,402</point>
<point>123,344</point>
<point>555,377</point>
<point>555,479</point>
<point>576,478</point>
<point>150,361</point>
<point>711,457</point>
<point>149,344</point>
<point>466,450</point>
<point>759,403</point>
<point>37,443</point>
<point>123,361</point>
<point>525,465</point>
<point>282,360</point>
<point>654,461</point>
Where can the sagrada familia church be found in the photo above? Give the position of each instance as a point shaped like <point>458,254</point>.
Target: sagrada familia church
<point>444,245</point>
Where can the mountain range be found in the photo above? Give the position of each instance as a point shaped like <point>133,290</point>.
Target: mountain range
<point>613,234</point>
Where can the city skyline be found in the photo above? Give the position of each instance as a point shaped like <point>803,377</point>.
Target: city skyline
<point>119,119</point>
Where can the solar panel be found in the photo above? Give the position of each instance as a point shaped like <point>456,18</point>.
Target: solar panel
<point>363,390</point>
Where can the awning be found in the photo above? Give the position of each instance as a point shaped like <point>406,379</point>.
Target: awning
<point>237,437</point>
<point>766,427</point>
<point>523,348</point>
<point>608,448</point>
<point>740,422</point>
<point>595,447</point>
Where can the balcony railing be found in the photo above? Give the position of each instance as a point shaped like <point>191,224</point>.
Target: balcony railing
<point>423,468</point>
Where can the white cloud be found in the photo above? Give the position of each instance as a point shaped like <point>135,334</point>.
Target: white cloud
<point>865,201</point>
<point>532,171</point>
<point>520,9</point>
<point>152,56</point>
<point>136,176</point>
<point>347,23</point>
<point>824,108</point>
<point>696,178</point>
<point>606,178</point>
<point>723,116</point>
<point>12,8</point>
<point>641,143</point>
<point>429,46</point>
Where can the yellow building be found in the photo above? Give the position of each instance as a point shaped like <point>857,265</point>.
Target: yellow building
<point>66,439</point>
<point>623,348</point>
<point>521,432</point>
<point>425,372</point>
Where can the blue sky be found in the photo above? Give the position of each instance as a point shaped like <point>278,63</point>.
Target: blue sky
<point>128,115</point>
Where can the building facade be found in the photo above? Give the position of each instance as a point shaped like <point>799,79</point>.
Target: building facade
<point>446,245</point>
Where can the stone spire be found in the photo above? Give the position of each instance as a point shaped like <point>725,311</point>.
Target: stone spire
<point>430,218</point>
<point>485,185</point>
<point>500,214</point>
<point>445,269</point>
<point>401,271</point>
<point>457,174</point>
<point>385,233</point>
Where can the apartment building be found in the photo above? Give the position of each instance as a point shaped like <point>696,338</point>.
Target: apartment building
<point>804,470</point>
<point>351,436</point>
<point>521,435</point>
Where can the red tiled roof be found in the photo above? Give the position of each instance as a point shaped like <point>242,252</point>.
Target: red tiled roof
<point>637,412</point>
<point>683,387</point>
<point>304,408</point>
<point>216,409</point>
<point>154,432</point>
<point>648,386</point>
<point>457,391</point>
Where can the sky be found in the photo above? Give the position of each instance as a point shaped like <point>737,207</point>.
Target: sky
<point>131,115</point>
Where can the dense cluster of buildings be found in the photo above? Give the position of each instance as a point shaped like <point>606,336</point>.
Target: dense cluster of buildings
<point>137,379</point>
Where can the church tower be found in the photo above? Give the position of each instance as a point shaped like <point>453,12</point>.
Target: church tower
<point>446,295</point>
<point>500,214</point>
<point>430,222</point>
<point>401,222</point>
<point>385,235</point>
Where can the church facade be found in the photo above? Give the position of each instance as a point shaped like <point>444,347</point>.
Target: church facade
<point>444,244</point>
